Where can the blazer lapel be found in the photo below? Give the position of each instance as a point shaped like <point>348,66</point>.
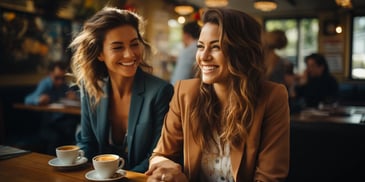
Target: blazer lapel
<point>135,107</point>
<point>236,158</point>
<point>193,157</point>
<point>102,117</point>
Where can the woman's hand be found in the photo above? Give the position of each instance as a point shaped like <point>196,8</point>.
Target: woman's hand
<point>303,78</point>
<point>44,99</point>
<point>167,171</point>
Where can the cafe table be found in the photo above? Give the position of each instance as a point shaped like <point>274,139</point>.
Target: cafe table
<point>34,167</point>
<point>341,114</point>
<point>55,107</point>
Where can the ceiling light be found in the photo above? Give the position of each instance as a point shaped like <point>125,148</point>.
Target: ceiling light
<point>344,3</point>
<point>338,29</point>
<point>181,19</point>
<point>265,5</point>
<point>184,9</point>
<point>216,3</point>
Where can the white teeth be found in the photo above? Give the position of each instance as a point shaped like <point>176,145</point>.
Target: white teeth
<point>127,63</point>
<point>209,68</point>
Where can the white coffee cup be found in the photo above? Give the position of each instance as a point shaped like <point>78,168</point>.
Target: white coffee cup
<point>69,154</point>
<point>106,165</point>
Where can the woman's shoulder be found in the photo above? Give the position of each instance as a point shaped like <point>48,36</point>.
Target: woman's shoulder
<point>189,86</point>
<point>153,80</point>
<point>46,80</point>
<point>186,91</point>
<point>273,89</point>
<point>153,84</point>
<point>330,78</point>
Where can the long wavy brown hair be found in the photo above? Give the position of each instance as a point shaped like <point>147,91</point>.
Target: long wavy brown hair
<point>240,40</point>
<point>90,73</point>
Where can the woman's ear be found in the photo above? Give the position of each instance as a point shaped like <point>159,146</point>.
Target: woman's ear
<point>101,57</point>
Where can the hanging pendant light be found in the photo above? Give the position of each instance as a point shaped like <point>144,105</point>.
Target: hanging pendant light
<point>184,9</point>
<point>344,3</point>
<point>265,5</point>
<point>216,3</point>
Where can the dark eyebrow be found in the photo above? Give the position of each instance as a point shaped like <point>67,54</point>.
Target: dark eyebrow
<point>121,43</point>
<point>211,42</point>
<point>117,43</point>
<point>135,39</point>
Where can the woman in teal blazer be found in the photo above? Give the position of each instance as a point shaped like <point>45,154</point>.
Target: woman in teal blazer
<point>122,104</point>
<point>149,103</point>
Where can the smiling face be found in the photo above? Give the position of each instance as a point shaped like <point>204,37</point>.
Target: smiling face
<point>210,57</point>
<point>122,51</point>
<point>313,69</point>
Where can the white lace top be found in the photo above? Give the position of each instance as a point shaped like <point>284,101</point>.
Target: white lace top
<point>216,163</point>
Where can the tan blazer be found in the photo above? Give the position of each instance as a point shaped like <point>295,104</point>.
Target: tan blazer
<point>265,155</point>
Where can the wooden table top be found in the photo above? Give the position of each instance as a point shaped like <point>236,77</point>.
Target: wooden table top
<point>344,114</point>
<point>34,167</point>
<point>49,108</point>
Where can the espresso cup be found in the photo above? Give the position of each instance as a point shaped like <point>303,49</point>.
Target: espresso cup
<point>69,154</point>
<point>106,165</point>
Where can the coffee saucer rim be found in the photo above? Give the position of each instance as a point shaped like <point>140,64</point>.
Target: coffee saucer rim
<point>120,172</point>
<point>56,163</point>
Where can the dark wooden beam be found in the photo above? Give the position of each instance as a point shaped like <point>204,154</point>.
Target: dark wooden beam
<point>292,2</point>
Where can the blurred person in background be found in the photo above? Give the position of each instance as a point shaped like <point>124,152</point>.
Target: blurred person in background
<point>275,65</point>
<point>317,85</point>
<point>290,80</point>
<point>52,88</point>
<point>56,128</point>
<point>185,62</point>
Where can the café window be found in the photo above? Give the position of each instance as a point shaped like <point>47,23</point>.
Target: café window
<point>358,48</point>
<point>302,35</point>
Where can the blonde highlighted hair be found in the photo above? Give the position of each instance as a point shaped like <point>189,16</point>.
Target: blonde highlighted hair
<point>90,73</point>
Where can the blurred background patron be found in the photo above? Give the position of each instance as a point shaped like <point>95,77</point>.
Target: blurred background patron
<point>184,68</point>
<point>52,88</point>
<point>275,65</point>
<point>317,85</point>
<point>56,128</point>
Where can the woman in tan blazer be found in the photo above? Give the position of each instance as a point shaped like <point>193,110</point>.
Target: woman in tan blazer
<point>228,124</point>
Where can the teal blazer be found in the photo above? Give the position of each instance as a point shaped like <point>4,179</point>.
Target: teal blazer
<point>149,103</point>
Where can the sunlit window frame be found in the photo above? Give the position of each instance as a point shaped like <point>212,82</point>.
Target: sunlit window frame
<point>351,77</point>
<point>298,58</point>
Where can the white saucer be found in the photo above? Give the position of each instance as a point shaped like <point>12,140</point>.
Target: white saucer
<point>93,176</point>
<point>55,162</point>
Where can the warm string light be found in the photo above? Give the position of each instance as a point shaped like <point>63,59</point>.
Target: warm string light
<point>344,3</point>
<point>265,5</point>
<point>216,3</point>
<point>184,9</point>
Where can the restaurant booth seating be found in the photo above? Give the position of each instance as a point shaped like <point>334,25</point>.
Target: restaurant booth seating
<point>352,93</point>
<point>24,129</point>
<point>326,152</point>
<point>20,127</point>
